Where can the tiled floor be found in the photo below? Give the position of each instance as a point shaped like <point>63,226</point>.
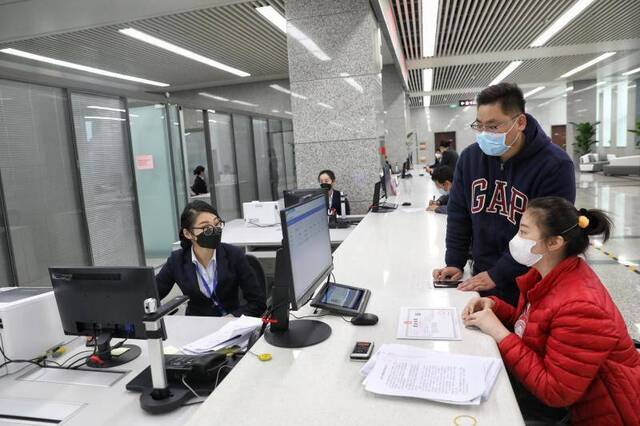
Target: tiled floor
<point>619,196</point>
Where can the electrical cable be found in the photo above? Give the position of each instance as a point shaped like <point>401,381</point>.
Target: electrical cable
<point>184,382</point>
<point>218,375</point>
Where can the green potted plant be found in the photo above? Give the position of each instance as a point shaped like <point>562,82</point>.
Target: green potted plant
<point>585,137</point>
<point>636,131</point>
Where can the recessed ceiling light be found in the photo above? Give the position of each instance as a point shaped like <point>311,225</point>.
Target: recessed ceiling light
<point>587,65</point>
<point>505,72</point>
<point>534,91</point>
<point>561,22</point>
<point>79,67</point>
<point>631,72</point>
<point>280,22</point>
<point>209,95</point>
<point>271,15</point>
<point>429,27</point>
<point>147,38</point>
<point>327,106</point>
<point>235,101</point>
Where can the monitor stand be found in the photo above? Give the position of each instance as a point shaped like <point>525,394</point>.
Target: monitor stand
<point>103,351</point>
<point>300,334</point>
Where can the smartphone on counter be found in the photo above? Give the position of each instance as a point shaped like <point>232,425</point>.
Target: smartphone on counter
<point>446,283</point>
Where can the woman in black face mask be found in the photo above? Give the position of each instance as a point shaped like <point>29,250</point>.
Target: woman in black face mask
<point>208,271</point>
<point>327,179</point>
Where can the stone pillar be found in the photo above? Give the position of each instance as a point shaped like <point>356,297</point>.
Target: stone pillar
<point>581,107</point>
<point>395,118</point>
<point>336,93</point>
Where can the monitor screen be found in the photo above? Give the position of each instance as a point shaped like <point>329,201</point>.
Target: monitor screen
<point>306,233</point>
<point>297,196</point>
<point>94,300</point>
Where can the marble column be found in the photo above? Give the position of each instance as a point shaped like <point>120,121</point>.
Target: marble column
<point>395,117</point>
<point>581,107</point>
<point>336,93</point>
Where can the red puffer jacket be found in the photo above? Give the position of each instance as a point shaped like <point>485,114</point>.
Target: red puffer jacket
<point>575,350</point>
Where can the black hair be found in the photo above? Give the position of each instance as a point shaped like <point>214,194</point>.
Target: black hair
<point>445,144</point>
<point>188,219</point>
<point>441,174</point>
<point>557,216</point>
<point>508,95</point>
<point>198,170</point>
<point>437,149</point>
<point>328,173</point>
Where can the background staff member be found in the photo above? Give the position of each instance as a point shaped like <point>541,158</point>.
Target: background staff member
<point>208,271</point>
<point>512,162</point>
<point>570,346</point>
<point>442,177</point>
<point>327,181</point>
<point>199,184</point>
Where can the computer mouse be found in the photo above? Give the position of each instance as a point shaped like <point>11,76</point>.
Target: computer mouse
<point>365,319</point>
<point>406,204</point>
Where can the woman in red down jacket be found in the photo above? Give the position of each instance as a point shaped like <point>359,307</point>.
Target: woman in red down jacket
<point>569,347</point>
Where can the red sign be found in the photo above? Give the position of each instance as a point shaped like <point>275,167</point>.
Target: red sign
<point>144,162</point>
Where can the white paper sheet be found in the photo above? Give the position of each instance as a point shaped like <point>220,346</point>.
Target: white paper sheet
<point>232,333</point>
<point>403,370</point>
<point>429,324</point>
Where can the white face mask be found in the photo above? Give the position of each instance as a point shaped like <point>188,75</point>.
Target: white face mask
<point>520,249</point>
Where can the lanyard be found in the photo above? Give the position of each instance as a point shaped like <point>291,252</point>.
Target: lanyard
<point>211,289</point>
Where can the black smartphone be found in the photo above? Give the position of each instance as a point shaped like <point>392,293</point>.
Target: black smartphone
<point>446,283</point>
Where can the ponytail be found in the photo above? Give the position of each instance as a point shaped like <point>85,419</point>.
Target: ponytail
<point>557,216</point>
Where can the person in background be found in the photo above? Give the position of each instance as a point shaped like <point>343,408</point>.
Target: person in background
<point>449,155</point>
<point>436,163</point>
<point>442,177</point>
<point>566,343</point>
<point>513,161</point>
<point>199,184</point>
<point>327,180</point>
<point>208,271</point>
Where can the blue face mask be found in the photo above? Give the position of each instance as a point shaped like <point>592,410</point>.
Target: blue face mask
<point>494,143</point>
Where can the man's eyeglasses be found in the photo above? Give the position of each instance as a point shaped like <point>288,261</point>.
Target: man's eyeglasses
<point>491,128</point>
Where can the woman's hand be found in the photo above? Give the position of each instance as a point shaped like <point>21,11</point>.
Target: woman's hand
<point>488,323</point>
<point>477,304</point>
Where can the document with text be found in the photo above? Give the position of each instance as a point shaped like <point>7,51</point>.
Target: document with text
<point>429,324</point>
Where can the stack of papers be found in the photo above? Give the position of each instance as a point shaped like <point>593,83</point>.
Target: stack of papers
<point>401,370</point>
<point>233,333</point>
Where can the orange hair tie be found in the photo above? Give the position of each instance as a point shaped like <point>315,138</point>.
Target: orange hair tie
<point>583,221</point>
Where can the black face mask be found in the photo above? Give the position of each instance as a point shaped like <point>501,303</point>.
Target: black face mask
<point>211,241</point>
<point>326,186</point>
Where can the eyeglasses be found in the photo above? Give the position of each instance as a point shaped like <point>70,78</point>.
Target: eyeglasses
<point>210,229</point>
<point>491,128</point>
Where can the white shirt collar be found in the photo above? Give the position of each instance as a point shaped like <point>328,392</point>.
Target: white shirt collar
<point>196,262</point>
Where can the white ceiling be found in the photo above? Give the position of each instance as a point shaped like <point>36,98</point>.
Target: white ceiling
<point>236,35</point>
<point>471,27</point>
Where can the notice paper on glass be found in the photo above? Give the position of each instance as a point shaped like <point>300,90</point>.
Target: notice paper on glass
<point>429,324</point>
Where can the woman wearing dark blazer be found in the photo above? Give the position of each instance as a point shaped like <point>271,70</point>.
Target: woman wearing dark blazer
<point>199,184</point>
<point>327,179</point>
<point>208,271</point>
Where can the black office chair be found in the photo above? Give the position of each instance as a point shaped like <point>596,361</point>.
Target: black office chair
<point>260,276</point>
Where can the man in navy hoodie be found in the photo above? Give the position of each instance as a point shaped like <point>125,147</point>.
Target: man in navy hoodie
<point>513,161</point>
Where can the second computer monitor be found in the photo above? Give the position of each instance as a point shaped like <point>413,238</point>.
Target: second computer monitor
<point>306,238</point>
<point>297,196</point>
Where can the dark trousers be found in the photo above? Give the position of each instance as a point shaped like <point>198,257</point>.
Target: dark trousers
<point>534,411</point>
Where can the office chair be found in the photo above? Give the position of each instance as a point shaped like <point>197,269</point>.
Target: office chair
<point>260,276</point>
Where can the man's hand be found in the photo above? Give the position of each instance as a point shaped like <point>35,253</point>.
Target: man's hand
<point>447,273</point>
<point>480,282</point>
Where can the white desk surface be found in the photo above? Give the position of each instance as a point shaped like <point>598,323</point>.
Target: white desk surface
<point>114,405</point>
<point>239,233</point>
<point>392,254</point>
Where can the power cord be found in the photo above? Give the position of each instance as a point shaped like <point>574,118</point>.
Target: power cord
<point>218,375</point>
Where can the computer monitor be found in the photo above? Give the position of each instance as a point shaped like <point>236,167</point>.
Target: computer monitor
<point>302,265</point>
<point>375,203</point>
<point>296,196</point>
<point>105,303</point>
